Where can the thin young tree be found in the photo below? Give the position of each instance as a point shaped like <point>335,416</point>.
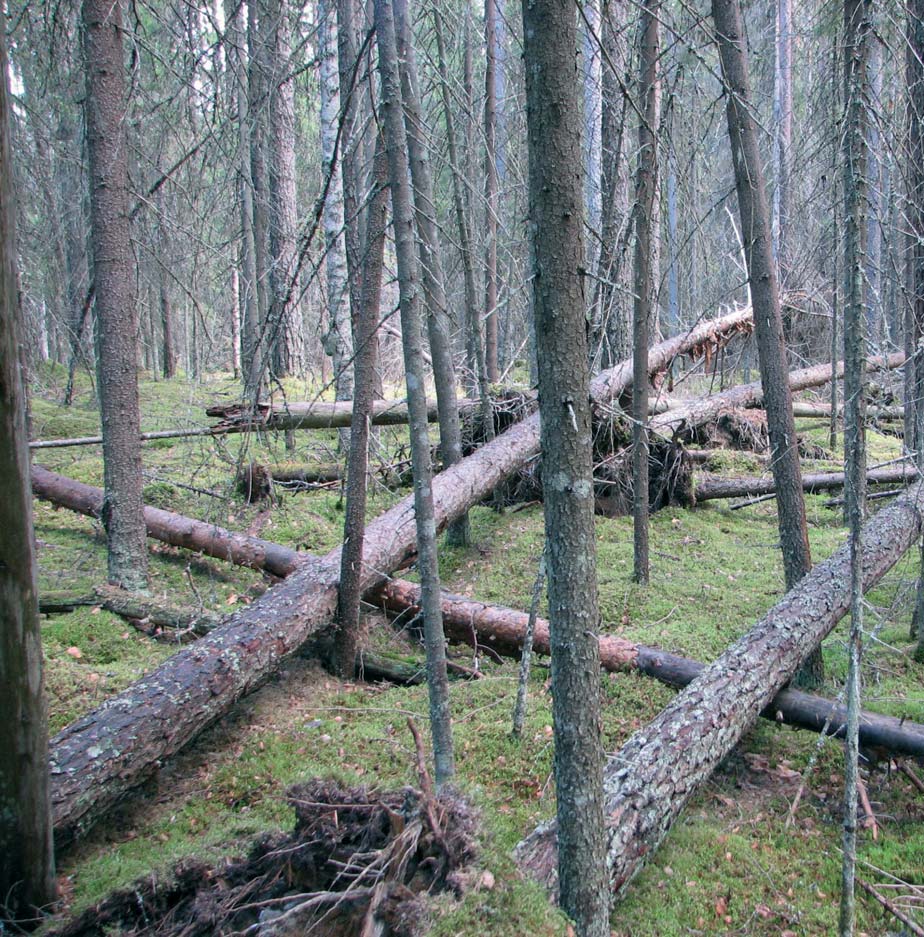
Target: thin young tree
<point>646,186</point>
<point>765,297</point>
<point>914,324</point>
<point>490,192</point>
<point>556,217</point>
<point>412,342</point>
<point>113,278</point>
<point>365,326</point>
<point>431,264</point>
<point>338,343</point>
<point>855,162</point>
<point>26,858</point>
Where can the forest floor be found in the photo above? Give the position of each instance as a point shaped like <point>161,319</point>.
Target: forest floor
<point>735,863</point>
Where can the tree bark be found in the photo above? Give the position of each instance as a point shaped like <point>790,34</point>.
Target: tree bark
<point>755,232</point>
<point>712,487</point>
<point>338,341</point>
<point>116,313</point>
<point>103,755</point>
<point>857,28</point>
<point>655,773</point>
<point>365,324</point>
<point>553,117</point>
<point>171,528</point>
<point>490,193</point>
<point>444,371</point>
<point>646,186</point>
<point>680,422</point>
<point>27,870</point>
<point>411,340</point>
<point>282,320</point>
<point>503,630</point>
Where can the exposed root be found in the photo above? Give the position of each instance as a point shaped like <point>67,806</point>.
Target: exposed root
<point>357,862</point>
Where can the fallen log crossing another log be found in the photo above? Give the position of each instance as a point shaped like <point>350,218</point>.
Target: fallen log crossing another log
<point>97,759</point>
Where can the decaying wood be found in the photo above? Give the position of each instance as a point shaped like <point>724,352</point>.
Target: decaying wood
<point>145,437</point>
<point>683,421</point>
<point>318,414</point>
<point>651,778</point>
<point>254,481</point>
<point>97,759</point>
<point>892,908</point>
<point>502,630</point>
<point>171,528</point>
<point>711,487</point>
<point>138,608</point>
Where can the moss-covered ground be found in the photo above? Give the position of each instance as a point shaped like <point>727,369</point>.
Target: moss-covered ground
<point>736,862</point>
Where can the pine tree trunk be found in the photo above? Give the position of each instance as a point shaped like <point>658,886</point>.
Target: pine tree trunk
<point>338,341</point>
<point>27,873</point>
<point>646,186</point>
<point>116,313</point>
<point>556,218</point>
<point>434,287</point>
<point>768,320</point>
<point>411,339</point>
<point>365,325</point>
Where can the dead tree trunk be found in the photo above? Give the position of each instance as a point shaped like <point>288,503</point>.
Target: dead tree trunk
<point>680,422</point>
<point>97,759</point>
<point>503,629</point>
<point>712,487</point>
<point>651,778</point>
<point>172,528</point>
<point>317,414</point>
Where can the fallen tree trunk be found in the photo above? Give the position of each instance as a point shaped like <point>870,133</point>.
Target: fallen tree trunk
<point>95,760</point>
<point>503,629</point>
<point>681,422</point>
<point>318,414</point>
<point>172,528</point>
<point>648,782</point>
<point>139,608</point>
<point>144,437</point>
<point>712,487</point>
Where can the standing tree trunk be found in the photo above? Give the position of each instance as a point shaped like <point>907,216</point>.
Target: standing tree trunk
<point>611,319</point>
<point>914,325</point>
<point>27,874</point>
<point>365,326</point>
<point>460,200</point>
<point>283,280</point>
<point>556,217</point>
<point>490,193</point>
<point>765,296</point>
<point>646,184</point>
<point>782,136</point>
<point>856,60</point>
<point>116,313</point>
<point>444,372</point>
<point>251,354</point>
<point>338,340</point>
<point>411,338</point>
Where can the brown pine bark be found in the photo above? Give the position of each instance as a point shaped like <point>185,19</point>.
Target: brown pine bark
<point>556,217</point>
<point>116,313</point>
<point>102,756</point>
<point>27,871</point>
<point>655,773</point>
